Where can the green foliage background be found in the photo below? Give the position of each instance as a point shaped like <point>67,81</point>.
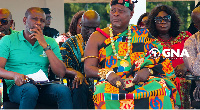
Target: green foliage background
<point>101,8</point>
<point>183,8</point>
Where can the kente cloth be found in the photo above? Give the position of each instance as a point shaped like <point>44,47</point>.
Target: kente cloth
<point>158,92</point>
<point>182,84</point>
<point>72,50</point>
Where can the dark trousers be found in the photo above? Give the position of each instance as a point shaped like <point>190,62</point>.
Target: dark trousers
<point>193,86</point>
<point>81,97</point>
<point>28,94</point>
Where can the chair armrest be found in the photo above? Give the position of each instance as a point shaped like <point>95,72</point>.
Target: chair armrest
<point>192,77</point>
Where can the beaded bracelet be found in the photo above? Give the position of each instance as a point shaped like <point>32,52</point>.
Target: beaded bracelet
<point>83,59</point>
<point>109,74</point>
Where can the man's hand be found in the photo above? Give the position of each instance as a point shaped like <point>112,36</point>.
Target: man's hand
<point>141,75</point>
<point>180,70</point>
<point>79,78</point>
<point>113,78</point>
<point>20,79</point>
<point>38,34</point>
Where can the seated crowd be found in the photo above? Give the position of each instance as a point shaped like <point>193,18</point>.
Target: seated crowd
<point>128,61</point>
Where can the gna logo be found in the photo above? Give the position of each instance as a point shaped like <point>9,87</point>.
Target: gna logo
<point>155,53</point>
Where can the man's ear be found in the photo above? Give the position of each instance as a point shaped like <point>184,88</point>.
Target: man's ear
<point>11,22</point>
<point>132,12</point>
<point>24,20</point>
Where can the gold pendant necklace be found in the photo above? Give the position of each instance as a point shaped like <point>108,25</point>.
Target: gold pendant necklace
<point>123,61</point>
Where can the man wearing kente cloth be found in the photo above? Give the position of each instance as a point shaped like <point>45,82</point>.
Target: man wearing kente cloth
<point>72,51</point>
<point>133,72</point>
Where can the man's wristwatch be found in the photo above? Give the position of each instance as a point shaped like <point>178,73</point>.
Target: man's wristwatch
<point>47,48</point>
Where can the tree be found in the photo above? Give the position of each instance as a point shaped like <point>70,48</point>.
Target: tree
<point>183,8</point>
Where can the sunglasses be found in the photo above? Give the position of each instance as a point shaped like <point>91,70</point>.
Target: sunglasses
<point>4,21</point>
<point>160,19</point>
<point>49,18</point>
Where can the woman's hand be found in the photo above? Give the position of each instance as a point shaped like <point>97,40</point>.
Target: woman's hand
<point>113,78</point>
<point>180,70</point>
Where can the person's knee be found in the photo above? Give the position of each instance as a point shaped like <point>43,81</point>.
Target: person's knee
<point>30,90</point>
<point>62,90</point>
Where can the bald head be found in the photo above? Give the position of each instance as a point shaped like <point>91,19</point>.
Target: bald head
<point>33,10</point>
<point>196,17</point>
<point>90,15</point>
<point>6,12</point>
<point>196,10</point>
<point>5,21</point>
<point>90,21</point>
